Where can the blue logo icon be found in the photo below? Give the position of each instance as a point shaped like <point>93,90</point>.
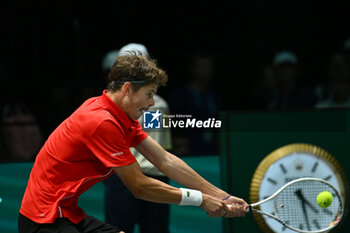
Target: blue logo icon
<point>151,120</point>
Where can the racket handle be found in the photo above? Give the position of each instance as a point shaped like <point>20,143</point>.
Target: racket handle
<point>248,209</point>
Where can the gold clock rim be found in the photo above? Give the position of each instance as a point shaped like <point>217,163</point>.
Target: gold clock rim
<point>278,154</point>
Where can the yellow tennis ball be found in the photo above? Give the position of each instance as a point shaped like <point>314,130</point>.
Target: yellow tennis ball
<point>324,199</point>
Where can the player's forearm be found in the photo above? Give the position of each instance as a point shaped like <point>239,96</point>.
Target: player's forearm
<point>147,188</point>
<point>156,191</point>
<point>153,190</point>
<point>177,170</point>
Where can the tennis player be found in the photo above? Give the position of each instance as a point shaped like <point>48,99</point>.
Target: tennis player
<point>93,143</point>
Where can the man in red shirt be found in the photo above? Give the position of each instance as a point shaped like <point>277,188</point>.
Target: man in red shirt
<point>94,142</point>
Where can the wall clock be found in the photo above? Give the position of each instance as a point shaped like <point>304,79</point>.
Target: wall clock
<point>288,163</point>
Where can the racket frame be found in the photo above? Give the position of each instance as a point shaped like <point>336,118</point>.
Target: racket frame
<point>332,225</point>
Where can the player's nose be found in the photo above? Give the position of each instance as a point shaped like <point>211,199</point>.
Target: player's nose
<point>151,103</point>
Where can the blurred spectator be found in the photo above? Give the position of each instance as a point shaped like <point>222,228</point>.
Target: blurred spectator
<point>126,211</point>
<point>338,86</point>
<point>291,93</point>
<point>3,76</point>
<point>3,153</point>
<point>108,61</point>
<point>21,134</point>
<point>264,90</point>
<point>197,98</point>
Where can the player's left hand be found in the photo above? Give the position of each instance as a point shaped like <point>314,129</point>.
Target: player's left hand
<point>235,207</point>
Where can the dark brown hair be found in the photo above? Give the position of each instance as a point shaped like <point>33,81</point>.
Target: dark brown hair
<point>138,69</point>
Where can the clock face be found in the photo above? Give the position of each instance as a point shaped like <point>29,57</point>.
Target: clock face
<point>289,167</point>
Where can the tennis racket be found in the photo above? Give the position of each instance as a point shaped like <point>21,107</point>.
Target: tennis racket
<point>295,206</point>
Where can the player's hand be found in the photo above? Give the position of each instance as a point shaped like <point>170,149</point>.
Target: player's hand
<point>214,207</point>
<point>235,207</point>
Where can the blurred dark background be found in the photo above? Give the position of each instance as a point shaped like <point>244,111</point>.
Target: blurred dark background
<point>51,51</point>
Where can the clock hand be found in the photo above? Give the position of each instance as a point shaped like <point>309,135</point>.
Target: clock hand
<point>303,202</point>
<point>311,206</point>
<point>302,198</point>
<point>300,195</point>
<point>305,215</point>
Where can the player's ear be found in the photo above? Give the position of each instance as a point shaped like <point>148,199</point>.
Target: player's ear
<point>127,88</point>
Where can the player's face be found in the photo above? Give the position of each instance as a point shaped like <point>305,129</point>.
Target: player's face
<point>141,100</point>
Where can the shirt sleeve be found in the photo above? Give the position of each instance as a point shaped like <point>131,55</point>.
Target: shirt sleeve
<point>139,135</point>
<point>108,143</point>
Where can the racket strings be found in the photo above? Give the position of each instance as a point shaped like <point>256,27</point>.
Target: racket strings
<point>297,206</point>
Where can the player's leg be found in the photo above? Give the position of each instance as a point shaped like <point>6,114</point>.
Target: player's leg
<point>121,208</point>
<point>157,219</point>
<point>25,225</point>
<point>61,225</point>
<point>93,225</point>
<point>155,216</point>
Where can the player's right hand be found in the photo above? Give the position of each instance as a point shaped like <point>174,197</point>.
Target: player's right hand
<point>234,210</point>
<point>235,207</point>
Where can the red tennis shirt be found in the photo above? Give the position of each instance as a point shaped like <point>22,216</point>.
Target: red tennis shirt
<point>80,152</point>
